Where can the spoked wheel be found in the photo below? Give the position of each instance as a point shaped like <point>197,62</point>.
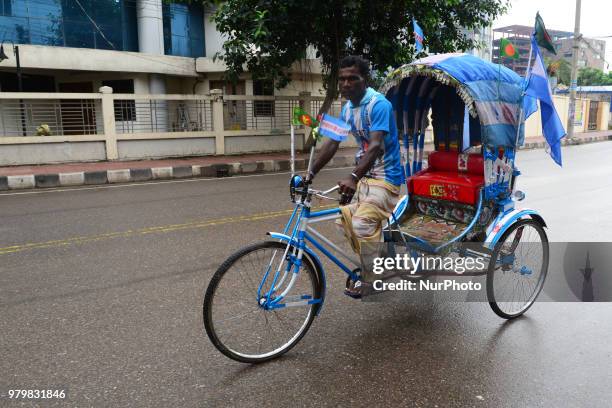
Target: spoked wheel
<point>236,320</point>
<point>517,269</point>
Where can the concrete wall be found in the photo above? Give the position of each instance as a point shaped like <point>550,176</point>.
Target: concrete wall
<point>533,125</point>
<point>51,153</point>
<point>140,149</point>
<point>303,83</point>
<point>212,37</point>
<point>603,116</point>
<point>268,143</point>
<point>86,59</point>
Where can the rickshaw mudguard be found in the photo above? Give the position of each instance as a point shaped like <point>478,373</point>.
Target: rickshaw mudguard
<point>505,220</point>
<point>315,262</point>
<point>399,209</point>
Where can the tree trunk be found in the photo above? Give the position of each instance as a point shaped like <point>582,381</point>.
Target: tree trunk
<point>331,94</point>
<point>330,80</point>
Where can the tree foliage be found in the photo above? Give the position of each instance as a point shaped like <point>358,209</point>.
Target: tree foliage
<point>594,76</point>
<point>267,36</point>
<point>561,69</point>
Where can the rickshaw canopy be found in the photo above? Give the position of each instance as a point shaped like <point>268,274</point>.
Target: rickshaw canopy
<point>491,93</point>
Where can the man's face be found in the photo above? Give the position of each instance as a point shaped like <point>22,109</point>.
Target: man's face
<point>352,83</point>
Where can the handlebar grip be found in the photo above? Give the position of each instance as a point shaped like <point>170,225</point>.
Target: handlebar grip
<point>326,192</point>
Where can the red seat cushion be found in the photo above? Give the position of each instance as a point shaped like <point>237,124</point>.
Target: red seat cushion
<point>453,162</point>
<point>444,185</point>
<point>450,176</point>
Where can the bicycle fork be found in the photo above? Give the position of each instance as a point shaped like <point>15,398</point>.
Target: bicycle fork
<point>290,264</point>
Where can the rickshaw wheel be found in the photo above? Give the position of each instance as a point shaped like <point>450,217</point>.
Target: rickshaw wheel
<point>518,268</point>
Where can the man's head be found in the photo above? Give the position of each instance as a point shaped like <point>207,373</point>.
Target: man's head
<point>353,77</point>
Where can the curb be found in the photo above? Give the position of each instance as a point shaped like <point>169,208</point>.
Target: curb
<point>208,171</point>
<point>156,173</point>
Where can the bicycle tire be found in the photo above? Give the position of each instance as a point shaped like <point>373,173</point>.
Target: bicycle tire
<point>495,301</point>
<point>307,270</point>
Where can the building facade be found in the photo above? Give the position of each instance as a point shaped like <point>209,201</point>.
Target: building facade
<point>590,53</point>
<point>142,46</point>
<point>484,38</point>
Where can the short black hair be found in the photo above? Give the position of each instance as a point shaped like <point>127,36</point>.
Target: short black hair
<point>362,64</point>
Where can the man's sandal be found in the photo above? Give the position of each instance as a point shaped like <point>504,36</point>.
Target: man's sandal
<point>357,289</point>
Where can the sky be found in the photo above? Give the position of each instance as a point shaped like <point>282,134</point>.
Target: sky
<point>595,17</point>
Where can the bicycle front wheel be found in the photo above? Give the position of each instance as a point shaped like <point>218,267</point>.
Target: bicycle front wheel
<point>234,318</point>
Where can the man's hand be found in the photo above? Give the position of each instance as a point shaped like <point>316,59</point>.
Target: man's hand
<point>308,177</point>
<point>347,190</point>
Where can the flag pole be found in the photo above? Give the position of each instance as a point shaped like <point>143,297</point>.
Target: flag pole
<point>292,150</point>
<point>521,113</point>
<point>529,59</point>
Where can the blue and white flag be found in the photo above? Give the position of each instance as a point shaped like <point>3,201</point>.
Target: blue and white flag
<point>334,128</point>
<point>466,130</point>
<point>538,88</point>
<point>418,36</point>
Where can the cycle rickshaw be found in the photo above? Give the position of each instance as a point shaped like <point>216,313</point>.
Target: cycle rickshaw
<point>262,300</point>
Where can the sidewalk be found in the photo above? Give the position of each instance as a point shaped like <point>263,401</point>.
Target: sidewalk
<point>74,174</point>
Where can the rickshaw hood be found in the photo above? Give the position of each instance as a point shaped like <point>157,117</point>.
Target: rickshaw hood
<point>493,93</point>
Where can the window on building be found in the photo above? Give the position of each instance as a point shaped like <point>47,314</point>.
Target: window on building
<point>115,28</point>
<point>263,108</point>
<point>63,23</point>
<point>5,7</point>
<point>183,30</point>
<point>125,110</point>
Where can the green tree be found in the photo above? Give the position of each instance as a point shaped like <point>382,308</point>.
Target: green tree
<point>561,69</point>
<point>267,36</point>
<point>593,76</point>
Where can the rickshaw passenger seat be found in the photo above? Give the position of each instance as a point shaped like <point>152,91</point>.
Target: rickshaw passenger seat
<point>454,162</point>
<point>450,176</point>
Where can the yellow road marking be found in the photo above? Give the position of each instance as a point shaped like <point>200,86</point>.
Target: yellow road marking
<point>148,230</point>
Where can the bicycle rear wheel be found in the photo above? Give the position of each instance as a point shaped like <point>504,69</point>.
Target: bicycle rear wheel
<point>517,269</point>
<point>234,319</point>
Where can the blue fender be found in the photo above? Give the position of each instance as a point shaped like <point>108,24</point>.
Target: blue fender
<point>315,262</point>
<point>399,209</point>
<point>505,220</point>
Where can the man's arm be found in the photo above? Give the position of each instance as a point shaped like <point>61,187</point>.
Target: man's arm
<point>375,146</point>
<point>349,185</point>
<point>327,151</point>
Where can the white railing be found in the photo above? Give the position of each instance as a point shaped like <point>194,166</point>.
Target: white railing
<point>122,126</point>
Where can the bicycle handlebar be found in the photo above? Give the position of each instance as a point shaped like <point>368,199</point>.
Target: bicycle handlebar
<point>301,187</point>
<point>323,194</point>
<point>334,188</point>
<point>318,193</point>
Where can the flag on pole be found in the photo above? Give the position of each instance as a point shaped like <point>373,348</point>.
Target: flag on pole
<point>543,38</point>
<point>334,128</point>
<point>506,49</point>
<point>301,117</point>
<point>466,129</point>
<point>538,88</point>
<point>418,36</point>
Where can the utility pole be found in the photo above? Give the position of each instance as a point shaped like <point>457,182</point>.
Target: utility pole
<point>19,81</point>
<point>18,65</point>
<point>574,80</point>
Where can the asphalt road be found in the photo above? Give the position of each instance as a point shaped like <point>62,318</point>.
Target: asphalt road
<point>101,291</point>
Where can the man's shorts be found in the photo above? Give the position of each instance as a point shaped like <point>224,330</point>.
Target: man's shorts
<point>362,219</point>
